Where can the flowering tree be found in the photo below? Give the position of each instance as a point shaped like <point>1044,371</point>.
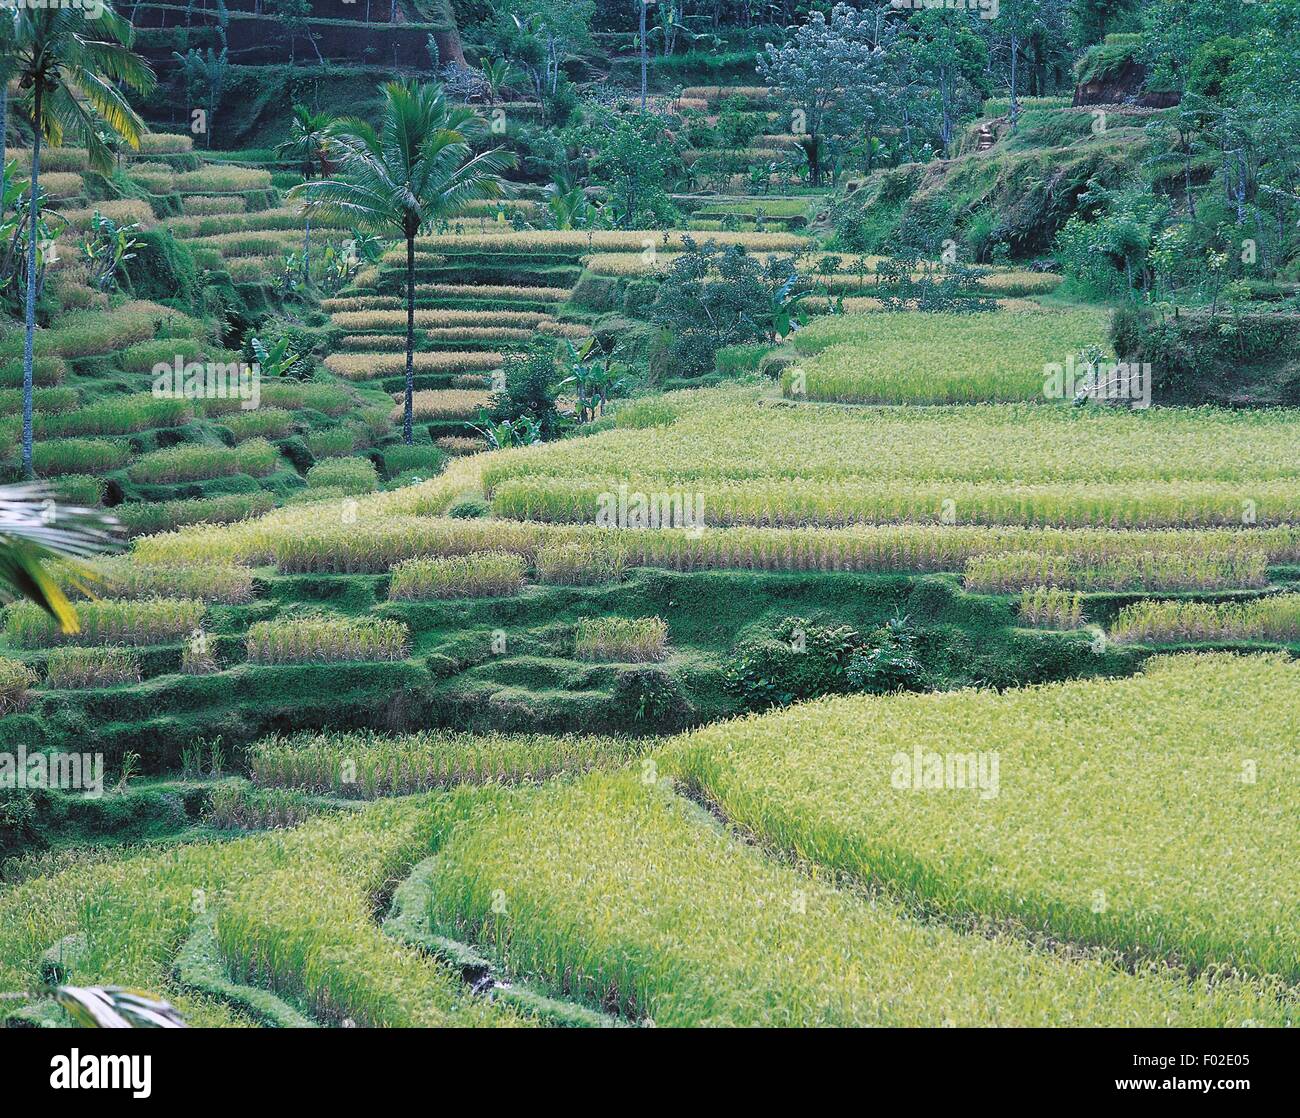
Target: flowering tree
<point>831,75</point>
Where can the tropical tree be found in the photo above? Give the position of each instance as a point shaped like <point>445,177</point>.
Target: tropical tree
<point>6,72</point>
<point>309,146</point>
<point>415,168</point>
<point>71,64</point>
<point>831,75</point>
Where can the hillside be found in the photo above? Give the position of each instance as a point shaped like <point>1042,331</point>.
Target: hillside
<point>513,519</point>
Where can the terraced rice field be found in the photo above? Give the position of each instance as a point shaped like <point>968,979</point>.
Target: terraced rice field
<point>842,697</point>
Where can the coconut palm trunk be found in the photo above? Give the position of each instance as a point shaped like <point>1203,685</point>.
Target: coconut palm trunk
<point>29,335</point>
<point>408,409</point>
<point>4,137</point>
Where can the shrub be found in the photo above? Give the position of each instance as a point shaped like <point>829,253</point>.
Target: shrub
<point>637,639</point>
<point>322,640</point>
<point>483,574</point>
<point>469,508</point>
<point>91,667</point>
<point>425,459</point>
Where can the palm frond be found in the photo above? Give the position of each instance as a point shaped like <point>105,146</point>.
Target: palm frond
<point>37,535</point>
<point>116,1007</point>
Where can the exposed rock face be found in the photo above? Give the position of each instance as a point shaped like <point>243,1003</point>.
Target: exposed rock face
<point>1124,87</point>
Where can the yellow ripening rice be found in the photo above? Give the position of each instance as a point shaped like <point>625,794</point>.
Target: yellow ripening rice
<point>365,366</point>
<point>363,321</point>
<point>444,403</point>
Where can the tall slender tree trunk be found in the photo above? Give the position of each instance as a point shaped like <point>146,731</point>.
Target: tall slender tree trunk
<point>1015,85</point>
<point>643,55</point>
<point>30,331</point>
<point>306,252</point>
<point>408,409</point>
<point>4,136</point>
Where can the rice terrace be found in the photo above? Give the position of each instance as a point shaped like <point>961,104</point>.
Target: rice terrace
<point>576,513</point>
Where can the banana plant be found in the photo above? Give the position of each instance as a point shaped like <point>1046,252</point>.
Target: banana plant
<point>524,431</point>
<point>277,361</point>
<point>785,312</point>
<point>498,76</point>
<point>594,374</point>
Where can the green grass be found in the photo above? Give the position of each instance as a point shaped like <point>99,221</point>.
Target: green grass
<point>628,897</point>
<point>1153,816</point>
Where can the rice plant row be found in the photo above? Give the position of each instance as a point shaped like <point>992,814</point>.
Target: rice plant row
<point>129,622</point>
<point>720,435</point>
<point>484,574</point>
<point>1013,571</point>
<point>1274,618</point>
<point>625,896</point>
<point>273,931</point>
<point>125,579</point>
<point>77,667</point>
<point>201,461</point>
<point>1124,814</point>
<point>366,766</point>
<point>1182,557</point>
<point>323,640</point>
<point>1048,608</point>
<point>951,359</point>
<point>632,639</point>
<point>444,403</point>
<point>788,503</point>
<point>367,366</point>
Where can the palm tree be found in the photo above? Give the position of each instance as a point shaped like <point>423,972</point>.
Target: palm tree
<point>415,168</point>
<point>309,145</point>
<point>6,72</point>
<point>70,64</point>
<point>39,536</point>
